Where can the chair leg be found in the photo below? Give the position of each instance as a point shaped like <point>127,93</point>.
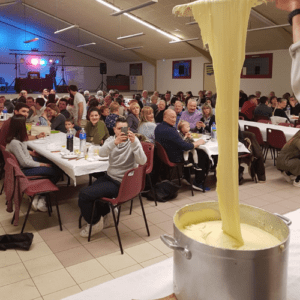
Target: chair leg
<point>179,182</point>
<point>131,204</point>
<point>80,218</point>
<point>141,201</point>
<point>2,188</point>
<point>90,179</point>
<point>116,226</point>
<point>91,223</point>
<point>58,214</point>
<point>119,212</point>
<point>26,217</point>
<point>152,188</point>
<point>69,180</point>
<point>274,155</point>
<point>13,218</point>
<point>49,206</point>
<point>191,183</point>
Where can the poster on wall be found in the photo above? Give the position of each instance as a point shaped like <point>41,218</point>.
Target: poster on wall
<point>75,75</point>
<point>182,69</point>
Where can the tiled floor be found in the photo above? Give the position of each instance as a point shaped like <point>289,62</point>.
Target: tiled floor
<point>60,264</point>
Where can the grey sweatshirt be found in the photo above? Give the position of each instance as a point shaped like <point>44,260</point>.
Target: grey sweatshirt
<point>122,157</point>
<point>19,150</point>
<point>295,73</point>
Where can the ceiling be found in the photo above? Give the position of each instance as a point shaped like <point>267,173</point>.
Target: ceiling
<point>96,25</point>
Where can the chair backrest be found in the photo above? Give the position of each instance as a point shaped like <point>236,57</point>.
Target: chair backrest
<point>298,126</point>
<point>7,154</point>
<point>163,155</point>
<point>257,133</point>
<point>149,151</point>
<point>132,184</point>
<point>264,121</point>
<point>276,138</point>
<point>286,124</point>
<point>261,117</point>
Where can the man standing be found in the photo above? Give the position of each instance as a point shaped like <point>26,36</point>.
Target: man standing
<point>53,70</point>
<point>125,152</point>
<point>79,106</point>
<point>167,135</point>
<point>249,107</point>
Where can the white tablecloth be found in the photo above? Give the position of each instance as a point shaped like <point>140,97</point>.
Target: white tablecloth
<point>73,168</point>
<point>156,281</point>
<point>288,131</point>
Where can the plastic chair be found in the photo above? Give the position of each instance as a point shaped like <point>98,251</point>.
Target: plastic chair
<point>32,188</point>
<point>165,159</point>
<point>149,151</point>
<point>259,138</point>
<point>276,140</point>
<point>131,186</point>
<point>261,117</point>
<point>264,121</point>
<point>286,124</point>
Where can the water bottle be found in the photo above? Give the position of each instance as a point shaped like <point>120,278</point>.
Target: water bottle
<point>4,113</point>
<point>82,137</point>
<point>213,132</point>
<point>288,111</point>
<point>70,137</point>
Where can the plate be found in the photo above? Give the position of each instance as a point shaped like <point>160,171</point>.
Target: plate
<point>196,135</point>
<point>68,156</point>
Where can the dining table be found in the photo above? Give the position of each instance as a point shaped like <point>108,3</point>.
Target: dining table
<point>74,166</point>
<point>289,132</point>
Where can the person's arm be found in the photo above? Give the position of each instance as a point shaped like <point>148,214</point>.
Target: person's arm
<point>80,112</point>
<point>108,146</point>
<point>138,151</point>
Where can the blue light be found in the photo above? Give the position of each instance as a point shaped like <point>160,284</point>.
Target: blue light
<point>43,62</point>
<point>57,61</point>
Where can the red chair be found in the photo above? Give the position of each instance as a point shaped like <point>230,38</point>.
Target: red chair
<point>298,126</point>
<point>165,159</point>
<point>149,151</point>
<point>259,138</point>
<point>264,121</point>
<point>257,118</point>
<point>21,185</point>
<point>276,140</point>
<point>286,124</point>
<point>131,186</point>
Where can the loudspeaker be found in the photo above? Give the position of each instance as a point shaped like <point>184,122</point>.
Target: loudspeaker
<point>103,68</point>
<point>181,70</point>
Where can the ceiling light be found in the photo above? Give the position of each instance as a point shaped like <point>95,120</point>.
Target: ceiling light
<point>132,48</point>
<point>120,12</point>
<point>130,36</point>
<point>191,23</point>
<point>170,36</point>
<point>269,27</point>
<point>30,41</point>
<point>67,28</point>
<point>8,3</point>
<point>187,40</point>
<point>84,45</point>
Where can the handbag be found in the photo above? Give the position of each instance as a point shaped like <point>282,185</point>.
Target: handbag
<point>36,130</point>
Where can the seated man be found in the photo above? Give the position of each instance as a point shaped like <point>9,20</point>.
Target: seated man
<point>167,135</point>
<point>279,110</point>
<point>178,109</point>
<point>295,106</point>
<point>249,107</point>
<point>263,109</point>
<point>192,115</point>
<point>125,152</point>
<point>8,104</point>
<point>39,106</point>
<point>63,103</point>
<point>20,109</point>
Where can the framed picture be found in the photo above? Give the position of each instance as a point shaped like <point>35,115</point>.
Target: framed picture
<point>182,69</point>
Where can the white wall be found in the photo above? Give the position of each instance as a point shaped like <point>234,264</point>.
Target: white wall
<point>280,82</point>
<point>166,82</point>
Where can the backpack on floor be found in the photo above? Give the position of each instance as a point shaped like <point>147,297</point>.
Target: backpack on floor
<point>165,190</point>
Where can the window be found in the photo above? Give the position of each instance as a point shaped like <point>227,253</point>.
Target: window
<point>182,69</point>
<point>258,66</point>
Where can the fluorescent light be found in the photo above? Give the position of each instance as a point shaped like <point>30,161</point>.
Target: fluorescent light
<point>134,8</point>
<point>30,41</point>
<point>269,27</point>
<point>84,45</point>
<point>67,28</point>
<point>8,3</point>
<point>170,36</point>
<point>191,23</point>
<point>132,48</point>
<point>130,36</point>
<point>187,40</point>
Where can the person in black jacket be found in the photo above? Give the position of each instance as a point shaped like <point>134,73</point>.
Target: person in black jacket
<point>204,126</point>
<point>295,106</point>
<point>279,110</point>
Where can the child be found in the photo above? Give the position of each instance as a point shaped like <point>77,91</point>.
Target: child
<point>184,131</point>
<point>69,124</point>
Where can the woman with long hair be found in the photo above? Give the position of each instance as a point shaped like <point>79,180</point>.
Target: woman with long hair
<point>207,120</point>
<point>30,162</point>
<point>147,124</point>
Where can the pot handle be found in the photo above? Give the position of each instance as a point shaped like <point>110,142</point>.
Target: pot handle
<point>170,242</point>
<point>285,219</point>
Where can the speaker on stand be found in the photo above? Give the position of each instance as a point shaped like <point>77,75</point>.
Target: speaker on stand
<point>103,70</point>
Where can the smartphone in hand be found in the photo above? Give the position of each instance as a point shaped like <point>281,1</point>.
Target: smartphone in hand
<point>125,130</point>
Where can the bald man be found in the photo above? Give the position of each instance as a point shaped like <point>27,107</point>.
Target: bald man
<point>167,135</point>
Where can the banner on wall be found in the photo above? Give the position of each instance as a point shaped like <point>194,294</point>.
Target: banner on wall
<point>209,70</point>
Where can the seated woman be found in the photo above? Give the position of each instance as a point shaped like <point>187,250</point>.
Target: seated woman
<point>30,162</point>
<point>96,131</point>
<point>147,125</point>
<point>207,120</point>
<point>133,118</point>
<point>53,118</point>
<point>104,112</point>
<point>279,110</point>
<point>92,104</point>
<point>110,120</point>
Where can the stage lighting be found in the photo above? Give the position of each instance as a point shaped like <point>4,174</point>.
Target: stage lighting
<point>34,61</point>
<point>43,62</point>
<point>50,61</point>
<point>57,61</point>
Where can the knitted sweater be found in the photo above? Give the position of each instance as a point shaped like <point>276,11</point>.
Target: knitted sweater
<point>122,157</point>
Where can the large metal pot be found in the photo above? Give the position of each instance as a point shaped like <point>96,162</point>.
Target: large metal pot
<point>203,272</point>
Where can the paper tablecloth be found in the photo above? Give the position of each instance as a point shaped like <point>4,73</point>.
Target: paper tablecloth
<point>156,281</point>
